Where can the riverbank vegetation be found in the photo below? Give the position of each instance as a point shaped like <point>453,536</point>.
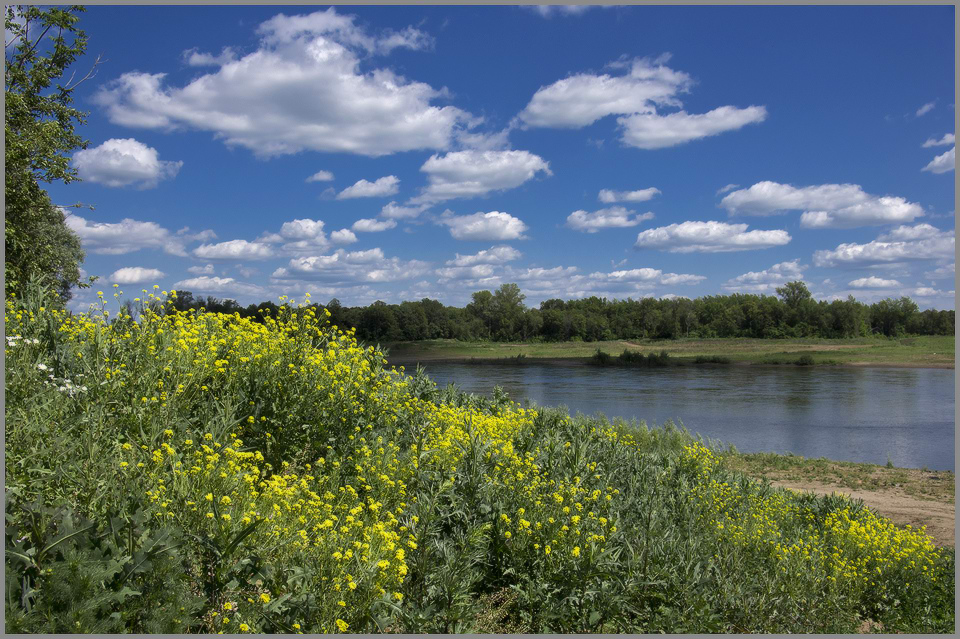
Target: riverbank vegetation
<point>928,350</point>
<point>201,472</point>
<point>501,316</point>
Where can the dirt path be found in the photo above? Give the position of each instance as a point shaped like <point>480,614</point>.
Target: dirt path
<point>938,516</point>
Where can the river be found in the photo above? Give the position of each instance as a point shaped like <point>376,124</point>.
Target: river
<point>842,413</point>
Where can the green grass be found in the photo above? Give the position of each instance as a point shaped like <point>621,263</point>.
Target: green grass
<point>912,351</point>
<point>935,485</point>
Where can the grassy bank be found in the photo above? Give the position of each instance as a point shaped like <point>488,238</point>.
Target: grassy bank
<point>923,351</point>
<point>194,472</point>
<point>939,485</point>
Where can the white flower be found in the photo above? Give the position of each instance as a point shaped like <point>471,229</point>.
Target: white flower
<point>42,367</point>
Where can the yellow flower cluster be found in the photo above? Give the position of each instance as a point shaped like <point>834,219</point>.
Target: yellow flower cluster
<point>848,545</point>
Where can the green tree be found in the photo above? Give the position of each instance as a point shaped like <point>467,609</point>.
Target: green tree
<point>40,44</point>
<point>507,306</point>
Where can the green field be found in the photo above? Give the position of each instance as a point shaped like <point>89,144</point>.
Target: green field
<point>922,351</point>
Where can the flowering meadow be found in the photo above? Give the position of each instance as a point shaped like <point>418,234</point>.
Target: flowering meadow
<point>200,472</point>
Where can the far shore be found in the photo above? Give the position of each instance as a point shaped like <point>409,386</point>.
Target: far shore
<point>910,352</point>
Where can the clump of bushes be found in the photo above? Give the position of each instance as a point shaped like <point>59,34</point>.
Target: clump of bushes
<point>631,358</point>
<point>711,359</point>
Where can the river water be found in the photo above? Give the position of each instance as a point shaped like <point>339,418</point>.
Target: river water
<point>850,414</point>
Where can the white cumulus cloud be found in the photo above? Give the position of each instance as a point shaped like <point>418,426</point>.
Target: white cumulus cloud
<point>494,225</point>
<point>823,206</point>
<point>613,217</point>
<point>382,187</point>
<point>343,236</point>
<point>946,271</point>
<point>767,280</point>
<point>343,267</point>
<point>301,89</point>
<point>234,250</point>
<point>472,173</point>
<point>201,270</point>
<point>301,236</point>
<point>135,275</point>
<point>609,197</point>
<point>873,282</point>
<point>321,176</point>
<point>394,211</point>
<point>903,244</point>
<point>944,162</point>
<point>125,236</point>
<point>219,285</point>
<point>369,225</point>
<point>652,131</point>
<point>926,108</point>
<point>646,86</point>
<point>494,255</point>
<point>124,162</point>
<point>948,138</point>
<point>709,237</point>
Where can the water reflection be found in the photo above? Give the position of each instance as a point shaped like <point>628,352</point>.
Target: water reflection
<point>855,414</point>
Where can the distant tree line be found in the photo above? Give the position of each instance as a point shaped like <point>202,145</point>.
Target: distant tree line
<point>502,316</point>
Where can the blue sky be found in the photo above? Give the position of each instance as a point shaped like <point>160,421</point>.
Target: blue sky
<point>397,153</point>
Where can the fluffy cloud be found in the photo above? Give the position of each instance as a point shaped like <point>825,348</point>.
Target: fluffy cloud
<point>343,236</point>
<point>613,217</point>
<point>494,255</point>
<point>219,285</point>
<point>824,205</point>
<point>942,163</point>
<point>321,176</point>
<point>494,225</point>
<point>393,211</point>
<point>582,99</point>
<point>472,173</point>
<point>369,225</point>
<point>386,185</point>
<point>194,58</point>
<point>301,89</point>
<point>947,271</point>
<point>767,280</point>
<point>671,279</point>
<point>906,233</point>
<point>646,275</point>
<point>608,197</point>
<point>126,236</point>
<point>303,236</point>
<point>652,131</point>
<point>709,237</point>
<point>122,162</point>
<point>947,139</point>
<point>342,267</point>
<point>873,282</point>
<point>234,250</point>
<point>474,272</point>
<point>922,242</point>
<point>136,274</point>
<point>201,270</point>
<point>926,108</point>
<point>926,291</point>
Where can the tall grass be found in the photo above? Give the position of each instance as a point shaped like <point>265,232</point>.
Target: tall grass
<point>198,472</point>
